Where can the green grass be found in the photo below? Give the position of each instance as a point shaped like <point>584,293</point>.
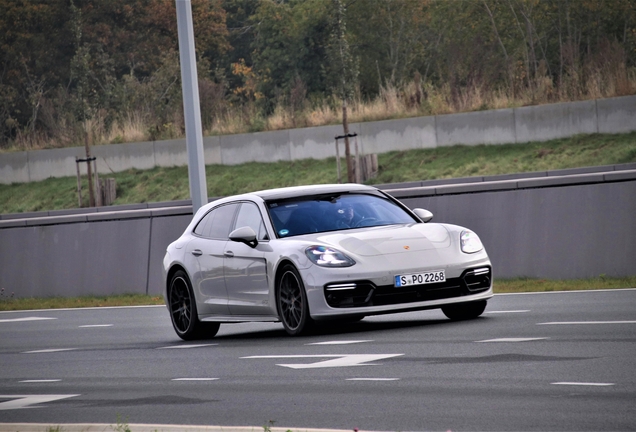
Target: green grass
<point>7,303</point>
<point>545,285</point>
<point>167,184</point>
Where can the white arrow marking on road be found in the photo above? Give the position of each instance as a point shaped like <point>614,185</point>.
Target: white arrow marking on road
<point>338,360</point>
<point>345,342</point>
<point>513,340</point>
<point>586,322</point>
<point>25,401</point>
<point>50,350</point>
<point>25,319</point>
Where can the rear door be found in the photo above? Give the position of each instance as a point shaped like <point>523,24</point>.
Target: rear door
<point>207,251</point>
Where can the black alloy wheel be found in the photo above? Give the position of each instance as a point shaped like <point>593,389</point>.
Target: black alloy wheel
<point>292,302</point>
<point>183,310</point>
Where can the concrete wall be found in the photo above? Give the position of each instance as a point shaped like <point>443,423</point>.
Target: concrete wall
<point>557,225</point>
<point>518,125</point>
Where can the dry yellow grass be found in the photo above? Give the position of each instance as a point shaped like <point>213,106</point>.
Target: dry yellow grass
<point>391,102</point>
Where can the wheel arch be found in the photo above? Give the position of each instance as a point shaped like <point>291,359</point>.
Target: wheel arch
<point>277,275</point>
<point>170,273</point>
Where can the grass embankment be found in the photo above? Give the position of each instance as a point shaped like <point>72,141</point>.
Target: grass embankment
<point>166,184</point>
<point>500,287</point>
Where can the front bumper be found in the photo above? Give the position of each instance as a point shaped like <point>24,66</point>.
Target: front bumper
<point>373,293</point>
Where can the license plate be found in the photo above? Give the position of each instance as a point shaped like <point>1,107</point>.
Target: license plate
<point>420,278</point>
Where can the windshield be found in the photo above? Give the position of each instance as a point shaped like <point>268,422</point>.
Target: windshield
<point>331,213</point>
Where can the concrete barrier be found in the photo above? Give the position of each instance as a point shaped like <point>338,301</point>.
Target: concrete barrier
<point>482,127</point>
<point>14,167</point>
<point>401,134</point>
<point>257,147</point>
<point>546,122</point>
<point>518,125</point>
<point>616,115</point>
<point>316,142</point>
<point>545,226</point>
<point>122,157</point>
<point>48,163</point>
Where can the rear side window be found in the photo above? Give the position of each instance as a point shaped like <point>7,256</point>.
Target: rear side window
<point>217,223</point>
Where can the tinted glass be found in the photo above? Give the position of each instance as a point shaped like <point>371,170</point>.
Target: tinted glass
<point>249,215</point>
<point>217,223</point>
<point>331,213</point>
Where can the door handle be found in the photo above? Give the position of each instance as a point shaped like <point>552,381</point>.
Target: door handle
<point>229,254</point>
<point>197,252</point>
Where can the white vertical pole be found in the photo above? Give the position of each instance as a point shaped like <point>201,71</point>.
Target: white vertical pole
<point>191,107</point>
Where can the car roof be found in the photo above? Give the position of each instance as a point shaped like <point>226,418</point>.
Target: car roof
<point>296,191</point>
<point>299,191</point>
<point>290,192</point>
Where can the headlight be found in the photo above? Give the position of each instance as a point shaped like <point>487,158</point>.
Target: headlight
<point>470,242</point>
<point>328,257</point>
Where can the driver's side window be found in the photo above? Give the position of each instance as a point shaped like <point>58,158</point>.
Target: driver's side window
<point>249,215</point>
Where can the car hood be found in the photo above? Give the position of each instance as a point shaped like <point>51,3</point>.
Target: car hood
<point>387,240</point>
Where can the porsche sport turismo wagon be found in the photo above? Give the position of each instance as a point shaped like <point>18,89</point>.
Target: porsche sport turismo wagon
<point>306,254</point>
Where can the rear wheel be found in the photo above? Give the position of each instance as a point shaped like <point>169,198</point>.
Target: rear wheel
<point>183,310</point>
<point>465,311</point>
<point>293,308</point>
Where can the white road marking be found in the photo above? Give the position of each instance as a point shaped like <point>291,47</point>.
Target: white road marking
<point>507,311</point>
<point>583,384</point>
<point>95,325</point>
<point>345,342</point>
<point>40,380</point>
<point>186,346</point>
<point>51,350</point>
<point>25,401</point>
<point>585,322</point>
<point>25,319</point>
<point>373,379</point>
<point>194,379</point>
<point>513,339</point>
<point>337,360</point>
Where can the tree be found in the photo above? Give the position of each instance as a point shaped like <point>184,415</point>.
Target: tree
<point>345,73</point>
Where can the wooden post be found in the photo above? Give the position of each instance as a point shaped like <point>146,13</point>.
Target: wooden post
<point>91,192</point>
<point>345,125</point>
<point>98,193</point>
<point>338,160</point>
<point>109,191</point>
<point>357,169</point>
<point>79,183</point>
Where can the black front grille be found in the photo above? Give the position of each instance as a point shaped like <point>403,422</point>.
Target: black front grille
<point>365,293</point>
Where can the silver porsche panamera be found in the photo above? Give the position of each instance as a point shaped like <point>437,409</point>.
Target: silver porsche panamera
<point>306,254</point>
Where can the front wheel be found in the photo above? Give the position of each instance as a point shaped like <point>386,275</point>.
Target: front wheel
<point>183,310</point>
<point>293,308</point>
<point>465,311</point>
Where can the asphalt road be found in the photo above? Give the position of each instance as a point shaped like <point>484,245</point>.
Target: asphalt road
<point>552,361</point>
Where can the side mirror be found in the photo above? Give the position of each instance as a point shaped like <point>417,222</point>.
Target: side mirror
<point>425,215</point>
<point>244,235</point>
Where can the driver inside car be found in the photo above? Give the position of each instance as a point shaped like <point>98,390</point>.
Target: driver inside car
<point>346,217</point>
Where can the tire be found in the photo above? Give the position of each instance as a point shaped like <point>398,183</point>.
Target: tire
<point>465,311</point>
<point>183,310</point>
<point>291,299</point>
